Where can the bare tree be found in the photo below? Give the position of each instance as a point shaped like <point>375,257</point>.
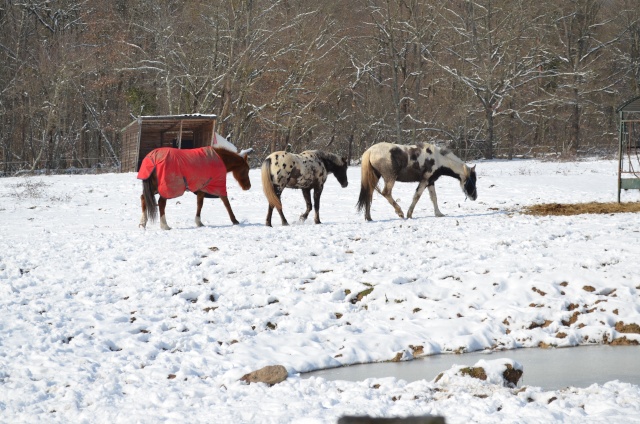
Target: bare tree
<point>580,50</point>
<point>488,49</point>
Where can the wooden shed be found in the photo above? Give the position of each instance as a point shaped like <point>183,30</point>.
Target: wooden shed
<point>150,132</point>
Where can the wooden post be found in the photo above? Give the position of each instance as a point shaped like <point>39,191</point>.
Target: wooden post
<point>213,132</point>
<point>180,136</point>
<point>137,161</point>
<point>620,137</point>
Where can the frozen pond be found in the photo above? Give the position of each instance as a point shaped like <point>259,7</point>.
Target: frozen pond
<point>550,369</point>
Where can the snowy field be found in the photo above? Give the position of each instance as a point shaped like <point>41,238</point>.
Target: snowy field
<point>103,322</point>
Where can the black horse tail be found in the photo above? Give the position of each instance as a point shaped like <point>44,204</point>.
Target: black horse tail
<point>151,209</point>
<point>369,182</point>
<point>267,185</point>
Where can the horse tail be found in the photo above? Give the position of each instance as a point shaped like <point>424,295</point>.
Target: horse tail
<point>369,181</point>
<point>267,185</point>
<point>151,209</point>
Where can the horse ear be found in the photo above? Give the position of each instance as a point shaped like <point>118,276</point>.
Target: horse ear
<point>245,153</point>
<point>344,159</point>
<point>465,170</point>
<point>473,168</point>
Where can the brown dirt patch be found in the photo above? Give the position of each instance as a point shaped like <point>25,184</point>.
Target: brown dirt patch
<point>475,372</point>
<point>623,341</point>
<point>557,209</point>
<point>627,328</point>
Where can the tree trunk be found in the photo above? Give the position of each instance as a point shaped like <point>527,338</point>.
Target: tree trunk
<point>488,147</point>
<point>575,123</point>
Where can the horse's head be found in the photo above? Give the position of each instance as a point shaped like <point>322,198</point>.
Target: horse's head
<point>340,171</point>
<point>237,164</point>
<point>468,182</point>
<point>242,172</point>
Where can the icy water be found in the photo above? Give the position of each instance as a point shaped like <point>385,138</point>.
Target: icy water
<point>550,369</point>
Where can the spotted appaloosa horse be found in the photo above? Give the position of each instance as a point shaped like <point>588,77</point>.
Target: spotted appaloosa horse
<point>422,163</point>
<point>306,171</point>
<point>170,172</point>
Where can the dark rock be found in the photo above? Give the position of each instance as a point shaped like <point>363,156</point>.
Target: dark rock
<point>407,420</point>
<point>511,376</point>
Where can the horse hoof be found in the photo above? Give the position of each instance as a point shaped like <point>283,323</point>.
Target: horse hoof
<point>235,222</point>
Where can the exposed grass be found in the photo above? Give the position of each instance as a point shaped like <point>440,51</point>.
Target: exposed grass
<point>29,188</point>
<point>580,208</point>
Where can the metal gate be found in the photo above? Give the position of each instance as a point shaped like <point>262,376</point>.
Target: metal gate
<point>629,148</point>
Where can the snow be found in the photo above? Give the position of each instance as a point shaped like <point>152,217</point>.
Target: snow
<point>225,143</point>
<point>101,321</point>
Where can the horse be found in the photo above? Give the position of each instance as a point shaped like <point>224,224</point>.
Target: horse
<point>306,171</point>
<point>423,163</point>
<point>170,172</point>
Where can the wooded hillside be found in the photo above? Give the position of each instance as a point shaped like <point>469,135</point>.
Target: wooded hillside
<point>488,78</point>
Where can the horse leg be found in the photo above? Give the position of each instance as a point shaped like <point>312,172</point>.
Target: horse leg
<point>200,202</point>
<point>316,203</point>
<point>284,220</point>
<point>279,209</point>
<point>278,193</point>
<point>227,205</point>
<point>416,197</point>
<point>306,193</point>
<point>434,200</point>
<point>143,220</point>
<point>367,210</point>
<point>386,193</point>
<point>269,213</point>
<point>162,202</point>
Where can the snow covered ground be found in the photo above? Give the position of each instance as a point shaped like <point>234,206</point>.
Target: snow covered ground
<point>101,321</point>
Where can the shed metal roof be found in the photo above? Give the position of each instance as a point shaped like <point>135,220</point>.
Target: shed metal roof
<point>632,105</point>
<point>172,122</point>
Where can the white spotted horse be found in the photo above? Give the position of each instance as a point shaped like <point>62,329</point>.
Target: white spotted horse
<point>422,163</point>
<point>169,172</point>
<point>306,171</point>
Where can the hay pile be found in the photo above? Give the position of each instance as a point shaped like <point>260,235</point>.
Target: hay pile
<point>580,208</point>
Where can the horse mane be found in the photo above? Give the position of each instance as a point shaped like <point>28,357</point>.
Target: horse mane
<point>224,152</point>
<point>330,160</point>
<point>230,159</point>
<point>451,161</point>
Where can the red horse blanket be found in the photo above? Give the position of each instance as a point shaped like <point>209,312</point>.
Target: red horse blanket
<point>179,170</point>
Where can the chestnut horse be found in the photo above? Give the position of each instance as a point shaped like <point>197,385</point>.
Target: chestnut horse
<point>170,172</point>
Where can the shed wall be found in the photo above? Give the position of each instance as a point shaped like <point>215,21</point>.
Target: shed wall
<point>148,133</point>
